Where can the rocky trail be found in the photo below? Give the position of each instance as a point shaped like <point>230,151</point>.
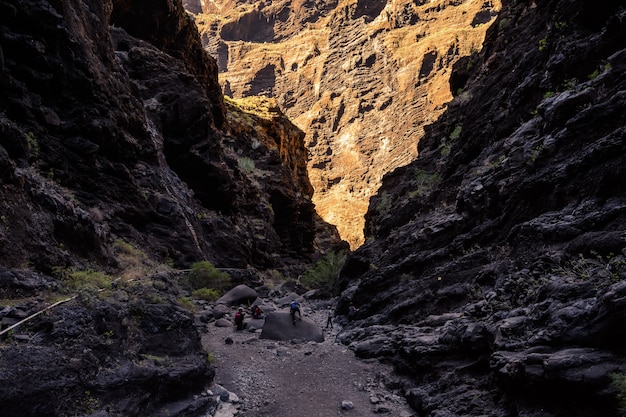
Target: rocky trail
<point>307,379</point>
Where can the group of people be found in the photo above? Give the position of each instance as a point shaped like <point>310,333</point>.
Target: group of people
<point>256,312</point>
<point>294,308</point>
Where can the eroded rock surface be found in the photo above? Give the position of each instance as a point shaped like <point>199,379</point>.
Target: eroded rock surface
<point>362,79</point>
<point>119,160</point>
<point>495,264</point>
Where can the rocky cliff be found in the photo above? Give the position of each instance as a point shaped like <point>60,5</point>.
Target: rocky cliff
<point>120,162</point>
<point>361,78</point>
<point>494,273</point>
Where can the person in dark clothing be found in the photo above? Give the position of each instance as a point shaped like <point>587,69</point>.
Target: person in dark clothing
<point>329,320</point>
<point>239,316</point>
<point>294,308</point>
<point>257,313</point>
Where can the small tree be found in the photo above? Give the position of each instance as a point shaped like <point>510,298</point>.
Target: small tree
<point>325,273</point>
<point>205,275</point>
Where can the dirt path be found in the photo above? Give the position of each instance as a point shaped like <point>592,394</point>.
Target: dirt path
<point>281,379</point>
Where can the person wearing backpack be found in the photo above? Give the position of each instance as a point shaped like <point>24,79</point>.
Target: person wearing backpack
<point>293,309</point>
<point>239,316</point>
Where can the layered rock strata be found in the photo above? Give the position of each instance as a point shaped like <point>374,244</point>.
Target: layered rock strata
<point>362,79</point>
<point>494,274</point>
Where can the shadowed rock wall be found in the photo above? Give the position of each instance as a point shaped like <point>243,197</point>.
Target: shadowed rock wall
<point>494,273</point>
<point>119,160</point>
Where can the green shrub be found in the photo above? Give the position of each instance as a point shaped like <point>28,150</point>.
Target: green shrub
<point>205,275</point>
<point>425,182</point>
<point>186,303</point>
<point>570,84</point>
<point>384,203</point>
<point>560,26</point>
<point>88,294</point>
<point>75,279</point>
<point>324,274</point>
<point>208,294</point>
<point>155,298</point>
<point>246,164</point>
<point>456,132</point>
<point>619,383</point>
<point>33,144</point>
<point>594,75</point>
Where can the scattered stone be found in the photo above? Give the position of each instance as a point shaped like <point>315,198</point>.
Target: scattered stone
<point>226,410</point>
<point>229,341</point>
<point>221,392</point>
<point>220,310</point>
<point>205,316</point>
<point>382,408</point>
<point>347,405</point>
<point>223,323</point>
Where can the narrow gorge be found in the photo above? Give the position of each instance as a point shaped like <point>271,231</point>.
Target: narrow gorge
<point>460,164</point>
<point>360,78</point>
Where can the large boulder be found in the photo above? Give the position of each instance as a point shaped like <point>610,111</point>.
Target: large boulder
<point>278,326</point>
<point>283,301</point>
<point>241,294</point>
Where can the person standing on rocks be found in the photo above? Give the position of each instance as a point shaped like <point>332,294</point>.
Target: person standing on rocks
<point>239,316</point>
<point>329,320</point>
<point>293,309</point>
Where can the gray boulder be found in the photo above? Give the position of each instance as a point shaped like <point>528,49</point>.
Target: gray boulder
<point>256,324</point>
<point>220,310</point>
<point>278,326</point>
<point>223,323</point>
<point>241,294</point>
<point>283,301</point>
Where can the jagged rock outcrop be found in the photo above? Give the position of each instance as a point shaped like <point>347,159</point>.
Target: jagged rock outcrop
<point>494,270</point>
<point>362,79</point>
<point>120,159</point>
<point>121,355</point>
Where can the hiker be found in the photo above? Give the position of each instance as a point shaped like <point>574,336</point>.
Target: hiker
<point>257,313</point>
<point>239,315</point>
<point>293,308</point>
<point>329,320</point>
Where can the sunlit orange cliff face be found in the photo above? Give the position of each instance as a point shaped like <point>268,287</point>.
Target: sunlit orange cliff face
<point>361,78</point>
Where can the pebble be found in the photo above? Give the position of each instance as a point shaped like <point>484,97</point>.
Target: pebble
<point>347,405</point>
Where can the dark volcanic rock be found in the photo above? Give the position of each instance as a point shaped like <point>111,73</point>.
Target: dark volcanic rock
<point>118,155</point>
<point>130,358</point>
<point>495,277</point>
<point>120,132</point>
<point>278,326</point>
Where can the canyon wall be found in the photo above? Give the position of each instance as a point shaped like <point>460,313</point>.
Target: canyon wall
<point>361,78</point>
<point>494,272</point>
<point>120,165</point>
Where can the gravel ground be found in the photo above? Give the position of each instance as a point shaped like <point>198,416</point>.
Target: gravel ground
<point>304,379</point>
